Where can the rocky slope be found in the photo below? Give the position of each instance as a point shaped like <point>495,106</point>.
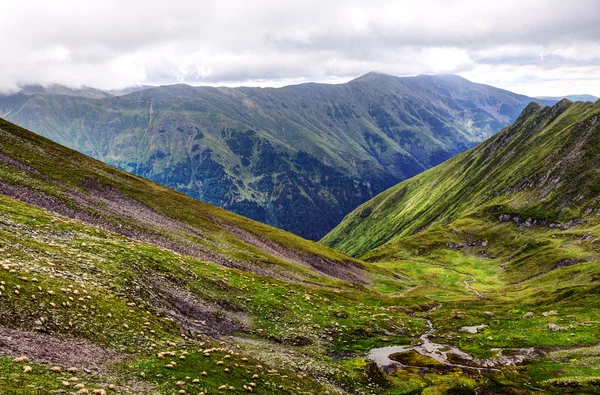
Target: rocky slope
<point>299,157</point>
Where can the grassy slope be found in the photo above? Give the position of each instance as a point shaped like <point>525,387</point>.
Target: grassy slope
<point>541,167</point>
<point>57,172</point>
<point>106,282</point>
<point>442,232</point>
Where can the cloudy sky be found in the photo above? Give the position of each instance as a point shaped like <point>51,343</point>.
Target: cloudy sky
<point>535,47</point>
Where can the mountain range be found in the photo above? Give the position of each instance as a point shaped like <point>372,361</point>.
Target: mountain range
<point>589,98</point>
<point>479,275</point>
<point>299,157</point>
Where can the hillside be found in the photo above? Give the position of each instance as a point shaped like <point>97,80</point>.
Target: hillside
<point>112,277</point>
<point>299,157</point>
<point>514,223</point>
<point>540,169</point>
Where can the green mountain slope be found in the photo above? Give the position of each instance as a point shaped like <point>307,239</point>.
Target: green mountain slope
<point>299,157</point>
<point>116,277</point>
<point>540,169</point>
<point>514,224</point>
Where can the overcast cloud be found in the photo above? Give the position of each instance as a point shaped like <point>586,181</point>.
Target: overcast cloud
<point>536,47</point>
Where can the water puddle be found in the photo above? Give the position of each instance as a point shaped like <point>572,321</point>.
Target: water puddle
<point>449,355</point>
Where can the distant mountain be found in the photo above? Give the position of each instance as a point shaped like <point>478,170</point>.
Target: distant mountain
<point>84,91</point>
<point>131,89</point>
<point>540,171</point>
<point>589,98</point>
<point>298,157</point>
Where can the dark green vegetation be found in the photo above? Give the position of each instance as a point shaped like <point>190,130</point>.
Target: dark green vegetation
<point>506,238</point>
<point>299,157</point>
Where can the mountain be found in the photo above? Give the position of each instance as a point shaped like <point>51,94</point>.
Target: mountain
<point>589,98</point>
<point>55,89</point>
<point>514,223</point>
<point>541,169</point>
<point>127,285</point>
<point>298,157</point>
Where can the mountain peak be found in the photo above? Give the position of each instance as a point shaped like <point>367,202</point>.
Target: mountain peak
<point>372,75</point>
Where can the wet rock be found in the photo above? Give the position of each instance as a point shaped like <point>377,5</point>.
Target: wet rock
<point>375,374</point>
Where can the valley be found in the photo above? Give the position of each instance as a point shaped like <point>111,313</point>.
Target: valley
<point>123,286</point>
<point>301,197</point>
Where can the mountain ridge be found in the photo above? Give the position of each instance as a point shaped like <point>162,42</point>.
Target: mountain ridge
<point>482,169</point>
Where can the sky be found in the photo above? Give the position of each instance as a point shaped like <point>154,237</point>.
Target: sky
<point>534,47</point>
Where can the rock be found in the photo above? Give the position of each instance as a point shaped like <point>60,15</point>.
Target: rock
<point>550,313</point>
<point>472,329</point>
<point>375,374</point>
<point>555,328</point>
<point>529,315</point>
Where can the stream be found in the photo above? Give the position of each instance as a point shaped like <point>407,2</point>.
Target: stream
<point>444,353</point>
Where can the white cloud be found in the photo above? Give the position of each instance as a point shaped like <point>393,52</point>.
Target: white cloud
<point>533,47</point>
